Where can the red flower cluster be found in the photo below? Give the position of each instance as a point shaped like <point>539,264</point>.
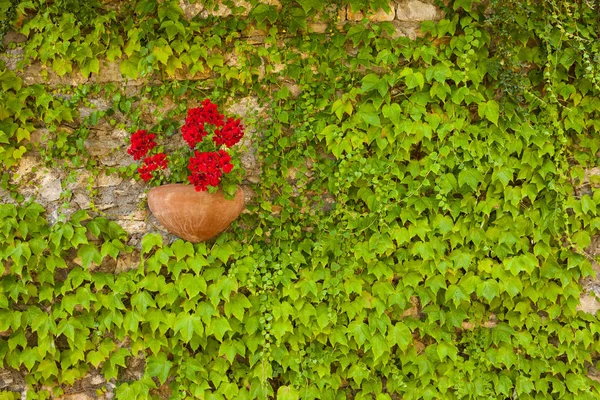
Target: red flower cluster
<point>230,134</point>
<point>152,163</point>
<point>210,113</point>
<point>141,143</point>
<point>207,168</point>
<point>193,130</point>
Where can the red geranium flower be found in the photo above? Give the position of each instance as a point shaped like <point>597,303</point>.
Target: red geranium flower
<point>230,134</point>
<point>207,168</point>
<point>141,143</point>
<point>193,133</point>
<point>151,164</point>
<point>210,114</point>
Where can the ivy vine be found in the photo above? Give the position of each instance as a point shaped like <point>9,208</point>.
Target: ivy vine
<point>421,227</point>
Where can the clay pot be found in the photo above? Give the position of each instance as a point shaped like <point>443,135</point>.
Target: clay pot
<point>191,215</point>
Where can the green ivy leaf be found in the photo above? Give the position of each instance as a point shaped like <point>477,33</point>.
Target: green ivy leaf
<point>489,110</point>
<point>373,82</point>
<point>400,335</point>
<point>392,112</point>
<point>186,325</point>
<point>471,177</point>
<point>151,240</point>
<point>488,289</point>
<point>158,366</point>
<point>287,393</point>
<point>89,253</point>
<point>308,5</point>
<point>358,372</point>
<point>130,67</point>
<point>162,53</point>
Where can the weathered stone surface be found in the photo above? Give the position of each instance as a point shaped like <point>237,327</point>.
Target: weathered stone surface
<point>26,166</point>
<point>294,89</point>
<point>491,322</point>
<point>593,373</point>
<point>381,15</point>
<point>219,10</point>
<point>104,180</point>
<point>588,303</point>
<point>592,176</point>
<point>410,30</point>
<point>245,4</point>
<point>249,194</point>
<point>190,10</point>
<point>134,223</point>
<point>318,27</point>
<point>191,215</point>
<point>591,180</point>
<point>354,15</point>
<point>50,186</point>
<point>40,136</point>
<point>37,73</point>
<point>127,262</point>
<point>79,396</point>
<point>414,310</point>
<point>82,200</point>
<point>95,105</point>
<point>96,379</point>
<point>415,10</point>
<point>246,109</point>
<point>109,146</point>
<point>12,380</point>
<point>13,37</point>
<point>11,58</point>
<point>110,71</point>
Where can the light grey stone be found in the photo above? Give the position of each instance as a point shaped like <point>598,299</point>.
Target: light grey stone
<point>95,105</point>
<point>220,10</point>
<point>11,58</point>
<point>588,303</point>
<point>318,27</point>
<point>26,165</point>
<point>247,109</point>
<point>50,187</point>
<point>406,29</point>
<point>415,10</point>
<point>82,201</point>
<point>190,10</point>
<point>105,180</point>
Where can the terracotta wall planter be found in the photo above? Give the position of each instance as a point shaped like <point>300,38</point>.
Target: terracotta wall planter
<point>191,215</point>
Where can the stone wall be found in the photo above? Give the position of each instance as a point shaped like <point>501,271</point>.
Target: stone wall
<point>120,199</point>
<point>62,191</point>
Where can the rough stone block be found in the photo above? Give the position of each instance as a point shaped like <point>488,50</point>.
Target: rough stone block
<point>406,29</point>
<point>50,185</point>
<point>318,27</point>
<point>415,10</point>
<point>374,16</point>
<point>588,304</point>
<point>381,15</point>
<point>354,15</point>
<point>190,10</point>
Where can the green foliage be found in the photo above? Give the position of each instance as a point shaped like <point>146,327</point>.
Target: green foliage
<point>420,229</point>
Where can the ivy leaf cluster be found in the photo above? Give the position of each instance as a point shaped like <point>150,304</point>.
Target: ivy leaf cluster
<point>421,227</point>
